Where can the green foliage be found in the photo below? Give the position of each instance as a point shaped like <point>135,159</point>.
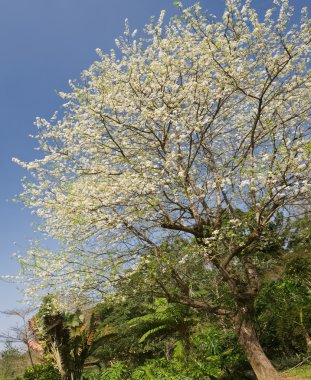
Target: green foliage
<point>162,340</point>
<point>284,305</point>
<point>159,369</point>
<point>117,371</point>
<point>41,372</point>
<point>12,362</point>
<point>216,352</point>
<point>179,266</point>
<point>213,354</point>
<point>142,336</point>
<point>117,339</point>
<point>165,319</point>
<point>10,352</point>
<point>284,311</point>
<point>300,238</point>
<point>298,265</point>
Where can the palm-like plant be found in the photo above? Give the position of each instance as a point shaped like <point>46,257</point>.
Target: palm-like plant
<point>65,338</point>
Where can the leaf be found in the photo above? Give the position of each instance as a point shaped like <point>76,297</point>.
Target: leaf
<point>152,331</point>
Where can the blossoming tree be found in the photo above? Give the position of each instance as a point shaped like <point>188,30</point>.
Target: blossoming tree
<point>200,130</point>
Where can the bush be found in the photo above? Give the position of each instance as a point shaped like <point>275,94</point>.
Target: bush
<point>214,355</point>
<point>41,372</point>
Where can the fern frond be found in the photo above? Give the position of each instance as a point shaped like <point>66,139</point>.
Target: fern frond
<point>151,332</point>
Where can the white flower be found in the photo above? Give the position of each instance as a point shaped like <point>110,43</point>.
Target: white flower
<point>245,182</point>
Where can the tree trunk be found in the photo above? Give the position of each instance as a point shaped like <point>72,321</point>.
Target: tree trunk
<point>30,356</point>
<point>261,365</point>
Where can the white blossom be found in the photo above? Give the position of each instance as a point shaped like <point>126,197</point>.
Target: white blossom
<point>197,119</point>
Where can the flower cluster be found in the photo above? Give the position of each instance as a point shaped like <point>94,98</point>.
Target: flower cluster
<point>203,121</point>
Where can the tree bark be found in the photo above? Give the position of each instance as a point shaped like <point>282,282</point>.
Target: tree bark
<point>30,356</point>
<point>258,360</point>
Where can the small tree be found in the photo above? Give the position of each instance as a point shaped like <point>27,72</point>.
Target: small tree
<point>202,131</point>
<point>10,361</point>
<point>22,333</point>
<point>66,338</point>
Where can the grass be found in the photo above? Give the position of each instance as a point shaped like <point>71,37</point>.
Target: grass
<point>303,371</point>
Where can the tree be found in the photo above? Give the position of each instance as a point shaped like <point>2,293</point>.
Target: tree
<point>201,131</point>
<point>10,361</point>
<point>20,334</point>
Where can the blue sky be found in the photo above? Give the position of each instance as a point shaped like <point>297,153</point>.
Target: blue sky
<point>43,44</point>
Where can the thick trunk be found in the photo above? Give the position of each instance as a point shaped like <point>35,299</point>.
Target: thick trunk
<point>261,365</point>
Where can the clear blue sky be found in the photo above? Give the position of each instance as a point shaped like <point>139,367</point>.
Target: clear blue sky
<point>44,43</point>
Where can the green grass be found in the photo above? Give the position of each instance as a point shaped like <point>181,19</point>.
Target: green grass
<point>303,371</point>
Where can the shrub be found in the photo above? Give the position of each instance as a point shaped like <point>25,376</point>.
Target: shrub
<point>41,372</point>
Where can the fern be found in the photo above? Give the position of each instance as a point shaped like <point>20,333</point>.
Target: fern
<point>151,332</point>
<point>117,371</point>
